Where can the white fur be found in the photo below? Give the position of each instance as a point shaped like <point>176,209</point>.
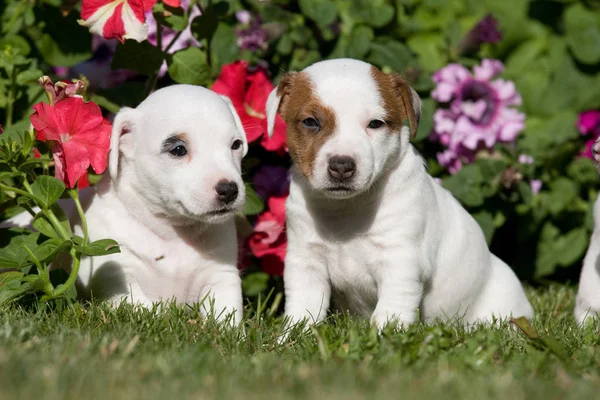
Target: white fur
<point>587,305</point>
<point>157,206</point>
<point>397,241</point>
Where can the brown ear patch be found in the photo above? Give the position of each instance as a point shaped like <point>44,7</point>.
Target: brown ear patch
<point>399,100</point>
<point>299,102</point>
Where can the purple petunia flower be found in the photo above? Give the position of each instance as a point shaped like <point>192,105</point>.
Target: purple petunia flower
<point>479,112</point>
<point>250,34</point>
<point>186,39</point>
<point>271,181</point>
<point>486,31</point>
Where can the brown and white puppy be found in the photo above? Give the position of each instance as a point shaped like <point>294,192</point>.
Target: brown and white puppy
<point>367,226</point>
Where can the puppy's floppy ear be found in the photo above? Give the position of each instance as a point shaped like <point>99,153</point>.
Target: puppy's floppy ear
<point>275,98</point>
<point>124,127</point>
<point>237,120</point>
<point>411,101</point>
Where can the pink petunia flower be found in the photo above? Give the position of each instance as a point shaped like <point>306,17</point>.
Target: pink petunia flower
<point>479,112</point>
<point>588,123</point>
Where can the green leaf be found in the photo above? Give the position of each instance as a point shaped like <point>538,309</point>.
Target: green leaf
<point>323,12</point>
<point>555,249</point>
<point>105,103</point>
<point>204,26</point>
<point>224,47</point>
<point>62,217</point>
<point>129,94</point>
<point>42,225</point>
<point>563,192</point>
<point>486,222</point>
<point>48,189</point>
<point>29,76</point>
<point>139,57</point>
<point>521,59</point>
<point>582,28</point>
<point>62,42</point>
<point>546,342</point>
<point>583,170</point>
<point>430,47</point>
<point>360,41</point>
<point>376,13</point>
<point>11,287</point>
<point>466,185</point>
<point>48,250</point>
<point>190,66</point>
<point>14,254</point>
<point>176,17</point>
<point>255,283</point>
<point>99,248</point>
<point>17,42</point>
<point>254,204</point>
<point>390,53</point>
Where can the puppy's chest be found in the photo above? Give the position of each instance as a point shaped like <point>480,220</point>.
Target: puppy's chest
<point>352,269</point>
<point>166,267</point>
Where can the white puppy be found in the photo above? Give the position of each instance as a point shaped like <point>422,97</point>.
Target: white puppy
<point>366,225</point>
<point>588,297</point>
<point>173,186</point>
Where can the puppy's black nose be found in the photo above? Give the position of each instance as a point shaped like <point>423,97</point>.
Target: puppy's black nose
<point>227,191</point>
<point>341,167</point>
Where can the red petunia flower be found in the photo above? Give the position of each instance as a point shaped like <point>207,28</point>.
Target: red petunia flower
<point>76,133</point>
<point>269,241</point>
<point>119,19</point>
<point>248,92</point>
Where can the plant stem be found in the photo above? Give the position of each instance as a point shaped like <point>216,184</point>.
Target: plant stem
<point>189,10</point>
<point>72,276</point>
<point>19,191</point>
<point>11,96</point>
<point>42,272</point>
<point>56,224</point>
<point>74,193</point>
<point>28,209</point>
<point>154,77</point>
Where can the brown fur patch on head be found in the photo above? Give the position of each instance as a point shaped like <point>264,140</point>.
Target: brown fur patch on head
<point>299,102</point>
<point>399,100</point>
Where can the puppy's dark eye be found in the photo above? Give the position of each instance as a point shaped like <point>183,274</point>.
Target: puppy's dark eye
<point>237,144</point>
<point>376,124</point>
<point>311,123</point>
<point>178,151</point>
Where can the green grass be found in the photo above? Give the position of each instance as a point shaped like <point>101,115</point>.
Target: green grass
<point>93,352</point>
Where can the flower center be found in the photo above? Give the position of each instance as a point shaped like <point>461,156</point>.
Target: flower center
<point>479,101</point>
<point>253,113</point>
<point>64,137</point>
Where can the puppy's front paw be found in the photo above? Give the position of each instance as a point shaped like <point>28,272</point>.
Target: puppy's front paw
<point>398,321</point>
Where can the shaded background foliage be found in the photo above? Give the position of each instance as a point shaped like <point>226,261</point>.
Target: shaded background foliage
<point>550,49</point>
